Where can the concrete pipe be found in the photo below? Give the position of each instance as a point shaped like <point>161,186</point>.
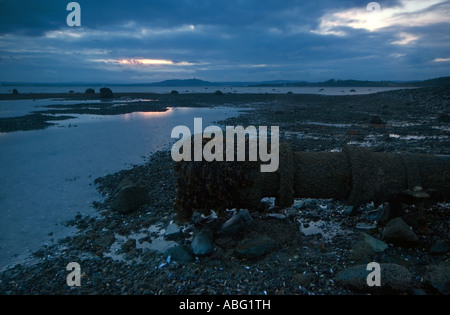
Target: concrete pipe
<point>355,175</point>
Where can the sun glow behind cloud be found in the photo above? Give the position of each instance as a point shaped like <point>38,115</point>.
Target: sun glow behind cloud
<point>144,62</point>
<point>408,13</point>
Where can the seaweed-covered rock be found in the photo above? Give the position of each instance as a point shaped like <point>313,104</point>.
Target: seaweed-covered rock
<point>106,93</point>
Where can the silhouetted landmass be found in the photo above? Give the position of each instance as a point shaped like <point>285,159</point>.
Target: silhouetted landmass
<point>274,83</point>
<point>358,83</point>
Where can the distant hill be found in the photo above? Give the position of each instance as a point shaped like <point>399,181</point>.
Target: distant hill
<point>189,82</point>
<point>435,82</point>
<point>330,83</point>
<point>274,83</point>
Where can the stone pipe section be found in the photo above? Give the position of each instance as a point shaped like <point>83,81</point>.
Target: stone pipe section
<point>356,175</point>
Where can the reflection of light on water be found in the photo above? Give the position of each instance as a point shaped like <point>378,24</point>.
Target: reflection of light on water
<point>413,137</point>
<point>130,116</point>
<point>327,124</point>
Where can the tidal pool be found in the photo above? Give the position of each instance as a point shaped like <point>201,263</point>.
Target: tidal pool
<point>47,176</point>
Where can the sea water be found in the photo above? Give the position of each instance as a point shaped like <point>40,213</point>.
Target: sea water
<point>47,176</point>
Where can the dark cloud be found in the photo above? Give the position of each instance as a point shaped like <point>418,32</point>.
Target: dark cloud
<point>216,40</point>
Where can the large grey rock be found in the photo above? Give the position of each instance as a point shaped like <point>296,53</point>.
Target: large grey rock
<point>202,243</point>
<point>172,231</point>
<point>394,279</point>
<point>129,245</point>
<point>129,199</point>
<point>439,248</point>
<point>399,233</point>
<point>438,277</point>
<point>178,253</point>
<point>253,248</point>
<point>376,244</point>
<point>106,93</point>
<point>366,247</point>
<point>236,223</point>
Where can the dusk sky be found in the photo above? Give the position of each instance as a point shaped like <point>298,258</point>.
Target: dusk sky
<point>237,40</point>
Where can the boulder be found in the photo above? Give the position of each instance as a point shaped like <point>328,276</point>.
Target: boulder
<point>129,199</point>
<point>237,222</point>
<point>366,248</point>
<point>202,243</point>
<point>178,253</point>
<point>376,120</point>
<point>437,277</point>
<point>254,248</point>
<point>394,279</point>
<point>89,91</point>
<point>399,233</point>
<point>106,93</point>
<point>439,248</point>
<point>172,231</point>
<point>129,245</point>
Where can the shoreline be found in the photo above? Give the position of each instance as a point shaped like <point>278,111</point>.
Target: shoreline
<point>314,241</point>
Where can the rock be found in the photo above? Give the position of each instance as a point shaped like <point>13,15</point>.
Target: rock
<point>366,247</point>
<point>218,92</point>
<point>106,93</point>
<point>439,248</point>
<point>375,244</point>
<point>253,248</point>
<point>174,92</point>
<point>438,277</point>
<point>349,210</point>
<point>105,240</point>
<point>89,91</point>
<point>129,199</point>
<point>277,216</point>
<point>178,253</point>
<point>129,245</point>
<point>15,92</point>
<point>444,118</point>
<point>172,231</point>
<point>399,233</point>
<point>376,120</point>
<point>237,222</point>
<point>361,252</point>
<point>305,279</point>
<point>202,243</point>
<point>394,279</point>
<point>366,227</point>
